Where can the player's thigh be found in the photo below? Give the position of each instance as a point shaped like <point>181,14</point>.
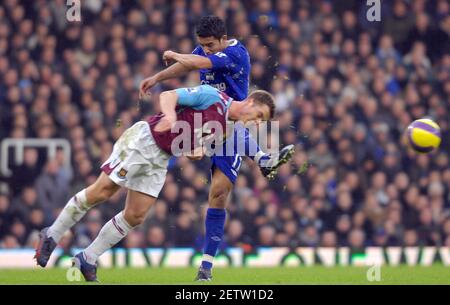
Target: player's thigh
<point>137,207</point>
<point>101,190</point>
<point>221,187</point>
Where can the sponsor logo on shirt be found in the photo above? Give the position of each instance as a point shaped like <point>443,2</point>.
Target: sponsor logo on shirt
<point>220,86</point>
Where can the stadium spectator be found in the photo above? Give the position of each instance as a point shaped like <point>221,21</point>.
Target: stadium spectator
<point>52,187</point>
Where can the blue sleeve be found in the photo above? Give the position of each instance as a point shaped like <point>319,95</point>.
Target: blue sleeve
<point>220,60</point>
<point>200,97</point>
<point>197,51</point>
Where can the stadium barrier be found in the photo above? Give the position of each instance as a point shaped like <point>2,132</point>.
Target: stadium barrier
<point>236,257</point>
<point>19,145</point>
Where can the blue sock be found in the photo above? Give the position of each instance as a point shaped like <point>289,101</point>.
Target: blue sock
<point>214,223</point>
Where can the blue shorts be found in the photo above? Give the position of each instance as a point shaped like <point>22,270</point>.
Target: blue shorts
<point>227,164</point>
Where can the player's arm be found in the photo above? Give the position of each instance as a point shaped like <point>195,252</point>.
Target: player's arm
<point>168,102</point>
<point>173,71</point>
<point>189,61</point>
<point>184,64</point>
<point>197,154</point>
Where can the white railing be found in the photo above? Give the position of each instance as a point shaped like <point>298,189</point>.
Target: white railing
<point>19,144</point>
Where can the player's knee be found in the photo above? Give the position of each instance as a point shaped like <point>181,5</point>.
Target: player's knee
<point>102,193</point>
<point>134,218</point>
<point>218,198</point>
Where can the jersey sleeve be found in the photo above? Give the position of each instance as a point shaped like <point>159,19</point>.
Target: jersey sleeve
<point>220,60</point>
<point>197,51</point>
<point>200,97</point>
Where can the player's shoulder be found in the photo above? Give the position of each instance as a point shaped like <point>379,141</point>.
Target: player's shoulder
<point>202,89</point>
<point>235,46</point>
<point>208,89</point>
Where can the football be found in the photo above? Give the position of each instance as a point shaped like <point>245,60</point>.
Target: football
<point>424,135</point>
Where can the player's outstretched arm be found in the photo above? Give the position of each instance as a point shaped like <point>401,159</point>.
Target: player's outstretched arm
<point>190,61</point>
<point>184,63</point>
<point>173,71</point>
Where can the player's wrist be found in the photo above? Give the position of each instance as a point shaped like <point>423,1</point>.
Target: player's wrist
<point>174,56</point>
<point>158,77</point>
<point>170,116</point>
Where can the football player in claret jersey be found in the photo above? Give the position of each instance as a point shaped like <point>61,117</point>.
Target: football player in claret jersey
<point>139,163</point>
<point>224,64</point>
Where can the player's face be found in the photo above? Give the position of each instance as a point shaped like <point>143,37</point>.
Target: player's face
<point>256,113</point>
<point>211,44</point>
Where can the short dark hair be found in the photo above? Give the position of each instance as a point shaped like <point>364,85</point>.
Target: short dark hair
<point>264,98</point>
<point>209,26</point>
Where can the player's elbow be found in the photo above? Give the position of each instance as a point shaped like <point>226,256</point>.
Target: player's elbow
<point>199,63</point>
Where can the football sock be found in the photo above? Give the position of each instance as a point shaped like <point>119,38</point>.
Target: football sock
<point>214,223</point>
<point>74,210</point>
<point>111,233</point>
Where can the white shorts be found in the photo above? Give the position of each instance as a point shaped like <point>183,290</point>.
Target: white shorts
<point>136,162</point>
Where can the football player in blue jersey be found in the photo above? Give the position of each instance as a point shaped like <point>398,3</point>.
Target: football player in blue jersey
<point>224,64</point>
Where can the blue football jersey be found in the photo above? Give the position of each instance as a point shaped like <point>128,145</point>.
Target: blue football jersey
<point>230,70</point>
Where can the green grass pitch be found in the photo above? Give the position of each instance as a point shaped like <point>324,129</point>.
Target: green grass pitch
<point>436,274</point>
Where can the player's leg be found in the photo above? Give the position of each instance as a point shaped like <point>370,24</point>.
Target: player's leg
<point>73,211</point>
<point>268,163</point>
<point>124,161</point>
<point>223,177</point>
<point>136,209</point>
<point>143,172</point>
<point>79,204</point>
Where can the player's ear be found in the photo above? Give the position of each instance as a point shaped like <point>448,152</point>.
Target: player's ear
<point>223,38</point>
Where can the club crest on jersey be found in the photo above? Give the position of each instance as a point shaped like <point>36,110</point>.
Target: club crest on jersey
<point>192,90</point>
<point>209,76</point>
<point>122,173</point>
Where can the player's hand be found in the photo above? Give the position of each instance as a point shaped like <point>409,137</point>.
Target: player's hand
<point>197,154</point>
<point>166,123</point>
<point>145,85</point>
<point>169,57</point>
<point>194,158</point>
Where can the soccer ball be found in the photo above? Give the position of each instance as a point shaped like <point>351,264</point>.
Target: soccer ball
<point>424,135</point>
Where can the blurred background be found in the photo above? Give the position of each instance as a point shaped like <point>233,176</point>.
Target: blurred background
<point>345,89</point>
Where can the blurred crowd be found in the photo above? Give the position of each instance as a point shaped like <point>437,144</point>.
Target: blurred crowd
<point>345,89</point>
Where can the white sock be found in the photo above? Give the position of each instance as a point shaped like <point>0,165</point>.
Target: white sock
<point>111,233</point>
<point>74,210</point>
<point>265,160</point>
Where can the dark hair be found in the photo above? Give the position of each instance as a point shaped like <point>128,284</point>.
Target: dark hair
<point>264,98</point>
<point>209,26</point>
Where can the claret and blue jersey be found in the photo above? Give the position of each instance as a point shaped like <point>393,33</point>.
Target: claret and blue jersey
<point>205,100</point>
